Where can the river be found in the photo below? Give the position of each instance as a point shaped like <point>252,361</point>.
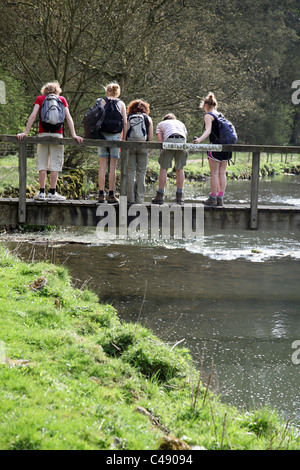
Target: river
<point>232,298</point>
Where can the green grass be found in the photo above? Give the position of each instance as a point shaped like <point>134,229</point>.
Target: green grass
<point>9,176</point>
<point>73,377</point>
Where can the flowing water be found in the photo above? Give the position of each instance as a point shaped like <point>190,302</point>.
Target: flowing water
<point>232,299</point>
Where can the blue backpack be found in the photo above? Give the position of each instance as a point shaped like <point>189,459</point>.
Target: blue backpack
<point>227,132</point>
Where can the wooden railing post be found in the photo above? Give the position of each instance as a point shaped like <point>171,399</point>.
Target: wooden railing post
<point>124,163</point>
<point>22,182</point>
<point>254,190</point>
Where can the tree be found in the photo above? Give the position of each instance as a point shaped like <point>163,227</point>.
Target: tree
<point>14,110</point>
<point>169,52</point>
<point>291,67</point>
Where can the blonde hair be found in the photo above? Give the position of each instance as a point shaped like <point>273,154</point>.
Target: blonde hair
<point>210,101</point>
<point>113,89</point>
<point>51,87</point>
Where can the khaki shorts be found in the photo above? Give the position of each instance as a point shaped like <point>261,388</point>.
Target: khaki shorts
<point>50,157</point>
<point>180,156</point>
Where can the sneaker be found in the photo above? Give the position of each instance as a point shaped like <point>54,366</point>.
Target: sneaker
<point>211,201</point>
<point>40,197</point>
<point>158,199</point>
<point>101,198</point>
<point>179,198</point>
<point>111,199</point>
<point>219,201</point>
<point>56,197</point>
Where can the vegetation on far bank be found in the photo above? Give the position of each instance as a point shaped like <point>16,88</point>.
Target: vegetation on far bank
<point>81,183</point>
<point>73,376</point>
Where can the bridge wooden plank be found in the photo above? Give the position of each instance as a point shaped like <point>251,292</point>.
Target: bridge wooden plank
<point>83,213</point>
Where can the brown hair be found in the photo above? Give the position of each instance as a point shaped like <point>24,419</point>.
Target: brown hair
<point>210,101</point>
<point>138,106</point>
<point>51,87</point>
<point>113,89</point>
<point>169,116</point>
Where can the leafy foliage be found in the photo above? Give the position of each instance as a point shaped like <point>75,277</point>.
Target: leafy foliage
<point>170,53</point>
<point>14,111</point>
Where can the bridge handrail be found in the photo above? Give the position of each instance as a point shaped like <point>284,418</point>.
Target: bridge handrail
<point>125,145</point>
<point>264,148</point>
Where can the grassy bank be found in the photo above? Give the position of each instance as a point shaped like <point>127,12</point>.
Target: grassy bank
<point>74,377</point>
<point>79,183</point>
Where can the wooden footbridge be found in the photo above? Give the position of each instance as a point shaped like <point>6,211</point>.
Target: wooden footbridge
<point>22,211</point>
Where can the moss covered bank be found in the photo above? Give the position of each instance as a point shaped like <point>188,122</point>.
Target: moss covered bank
<point>74,377</point>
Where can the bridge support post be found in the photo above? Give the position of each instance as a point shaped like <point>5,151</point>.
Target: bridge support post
<point>254,191</point>
<point>22,182</point>
<point>124,163</point>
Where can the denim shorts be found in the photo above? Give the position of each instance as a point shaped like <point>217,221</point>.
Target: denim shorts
<point>113,152</point>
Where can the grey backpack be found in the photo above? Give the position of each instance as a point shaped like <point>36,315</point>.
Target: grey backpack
<point>52,113</point>
<point>138,127</point>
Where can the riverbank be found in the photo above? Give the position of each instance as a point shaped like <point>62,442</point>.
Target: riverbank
<point>75,377</point>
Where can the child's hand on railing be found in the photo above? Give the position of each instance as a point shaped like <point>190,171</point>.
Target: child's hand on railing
<point>78,138</point>
<point>21,135</point>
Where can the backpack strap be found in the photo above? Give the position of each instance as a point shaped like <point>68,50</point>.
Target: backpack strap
<point>147,123</point>
<point>214,116</point>
<point>106,99</point>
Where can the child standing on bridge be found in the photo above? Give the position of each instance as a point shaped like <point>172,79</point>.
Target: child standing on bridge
<point>139,128</point>
<point>50,157</point>
<point>217,160</point>
<point>113,128</point>
<point>174,131</point>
